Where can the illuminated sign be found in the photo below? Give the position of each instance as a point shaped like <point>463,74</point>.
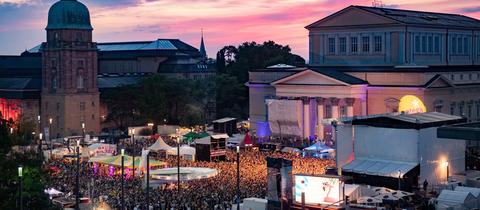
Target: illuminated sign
<point>318,189</point>
<point>411,105</point>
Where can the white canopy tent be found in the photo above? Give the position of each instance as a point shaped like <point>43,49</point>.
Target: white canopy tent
<point>186,152</point>
<point>474,191</point>
<point>100,149</point>
<point>449,199</point>
<point>52,192</point>
<point>159,145</point>
<point>319,149</point>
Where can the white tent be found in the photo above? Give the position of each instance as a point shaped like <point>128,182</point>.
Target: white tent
<point>159,145</point>
<point>186,152</point>
<point>100,149</point>
<point>320,150</point>
<point>449,199</point>
<point>474,191</point>
<point>52,192</point>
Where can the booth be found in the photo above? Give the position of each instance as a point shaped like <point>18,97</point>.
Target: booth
<point>225,125</point>
<point>159,145</point>
<point>186,152</point>
<point>211,148</point>
<point>449,199</point>
<point>99,149</point>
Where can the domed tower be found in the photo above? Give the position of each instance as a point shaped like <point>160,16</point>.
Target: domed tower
<point>70,96</point>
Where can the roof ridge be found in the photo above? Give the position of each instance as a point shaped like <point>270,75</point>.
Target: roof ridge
<point>414,11</point>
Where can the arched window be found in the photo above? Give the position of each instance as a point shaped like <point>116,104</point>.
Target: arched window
<point>56,37</point>
<point>54,79</point>
<point>80,79</point>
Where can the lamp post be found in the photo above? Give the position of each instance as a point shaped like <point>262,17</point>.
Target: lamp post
<point>178,164</point>
<point>40,151</point>
<point>83,132</point>
<point>50,121</point>
<point>148,181</point>
<point>20,176</point>
<point>238,177</point>
<point>399,179</point>
<point>303,200</point>
<point>447,166</point>
<point>77,179</point>
<point>133,152</point>
<point>123,178</point>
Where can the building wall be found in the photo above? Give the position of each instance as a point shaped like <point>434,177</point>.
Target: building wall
<point>257,107</point>
<point>434,152</point>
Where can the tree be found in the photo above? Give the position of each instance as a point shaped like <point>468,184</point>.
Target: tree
<point>232,95</point>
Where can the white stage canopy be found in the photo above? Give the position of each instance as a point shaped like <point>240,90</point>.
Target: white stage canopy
<point>159,145</point>
<point>379,167</point>
<point>319,147</point>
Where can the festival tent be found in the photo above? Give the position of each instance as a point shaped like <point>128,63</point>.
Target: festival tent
<point>449,199</point>
<point>52,192</point>
<point>474,191</point>
<point>193,135</point>
<point>117,161</point>
<point>159,145</point>
<point>186,152</point>
<point>100,148</point>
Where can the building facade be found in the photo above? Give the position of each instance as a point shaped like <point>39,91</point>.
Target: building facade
<point>63,78</point>
<point>366,60</point>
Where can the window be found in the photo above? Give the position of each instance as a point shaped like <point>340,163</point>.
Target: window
<point>93,103</point>
<point>331,45</point>
<point>430,44</point>
<point>417,44</point>
<point>378,43</point>
<point>452,77</point>
<point>469,111</point>
<point>78,37</point>
<point>58,106</point>
<point>54,63</point>
<point>80,63</point>
<point>366,44</point>
<point>454,45</point>
<point>452,109</point>
<point>465,45</point>
<point>342,48</point>
<point>93,117</point>
<point>460,45</point>
<point>437,44</point>
<point>80,82</point>
<point>54,82</point>
<point>82,106</point>
<point>56,37</point>
<point>461,76</point>
<point>438,108</point>
<point>353,44</point>
<point>469,76</point>
<point>424,44</point>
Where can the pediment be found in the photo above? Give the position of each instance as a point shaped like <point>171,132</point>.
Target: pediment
<point>352,16</point>
<point>438,81</point>
<point>309,77</point>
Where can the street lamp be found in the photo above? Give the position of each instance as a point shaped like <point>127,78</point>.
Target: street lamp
<point>123,178</point>
<point>133,152</point>
<point>148,181</point>
<point>238,177</point>
<point>178,164</point>
<point>40,151</point>
<point>83,131</point>
<point>20,176</point>
<point>447,166</point>
<point>399,179</point>
<point>50,121</point>
<point>77,179</point>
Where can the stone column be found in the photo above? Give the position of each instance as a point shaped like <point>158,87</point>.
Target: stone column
<point>320,116</point>
<point>335,112</point>
<point>350,102</point>
<point>306,117</point>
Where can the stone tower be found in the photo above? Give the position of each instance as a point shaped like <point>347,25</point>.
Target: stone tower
<point>70,95</point>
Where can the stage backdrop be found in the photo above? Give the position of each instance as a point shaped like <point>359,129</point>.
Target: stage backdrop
<point>285,117</point>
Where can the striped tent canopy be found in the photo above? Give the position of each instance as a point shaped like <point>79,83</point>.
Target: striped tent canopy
<point>128,162</point>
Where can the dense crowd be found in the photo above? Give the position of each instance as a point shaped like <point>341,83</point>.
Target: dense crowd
<point>218,192</point>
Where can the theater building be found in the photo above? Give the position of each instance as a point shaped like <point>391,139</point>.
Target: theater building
<point>369,60</point>
<point>62,79</point>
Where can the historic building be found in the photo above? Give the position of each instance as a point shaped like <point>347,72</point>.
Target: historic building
<point>368,60</point>
<point>62,79</point>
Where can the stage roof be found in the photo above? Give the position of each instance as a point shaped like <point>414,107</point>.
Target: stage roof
<point>407,121</point>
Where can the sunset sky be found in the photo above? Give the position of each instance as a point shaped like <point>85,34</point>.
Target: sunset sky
<point>225,22</point>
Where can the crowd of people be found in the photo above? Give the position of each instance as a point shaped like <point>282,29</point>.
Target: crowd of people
<point>218,192</point>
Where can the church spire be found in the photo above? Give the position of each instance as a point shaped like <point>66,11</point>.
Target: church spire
<point>203,52</point>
